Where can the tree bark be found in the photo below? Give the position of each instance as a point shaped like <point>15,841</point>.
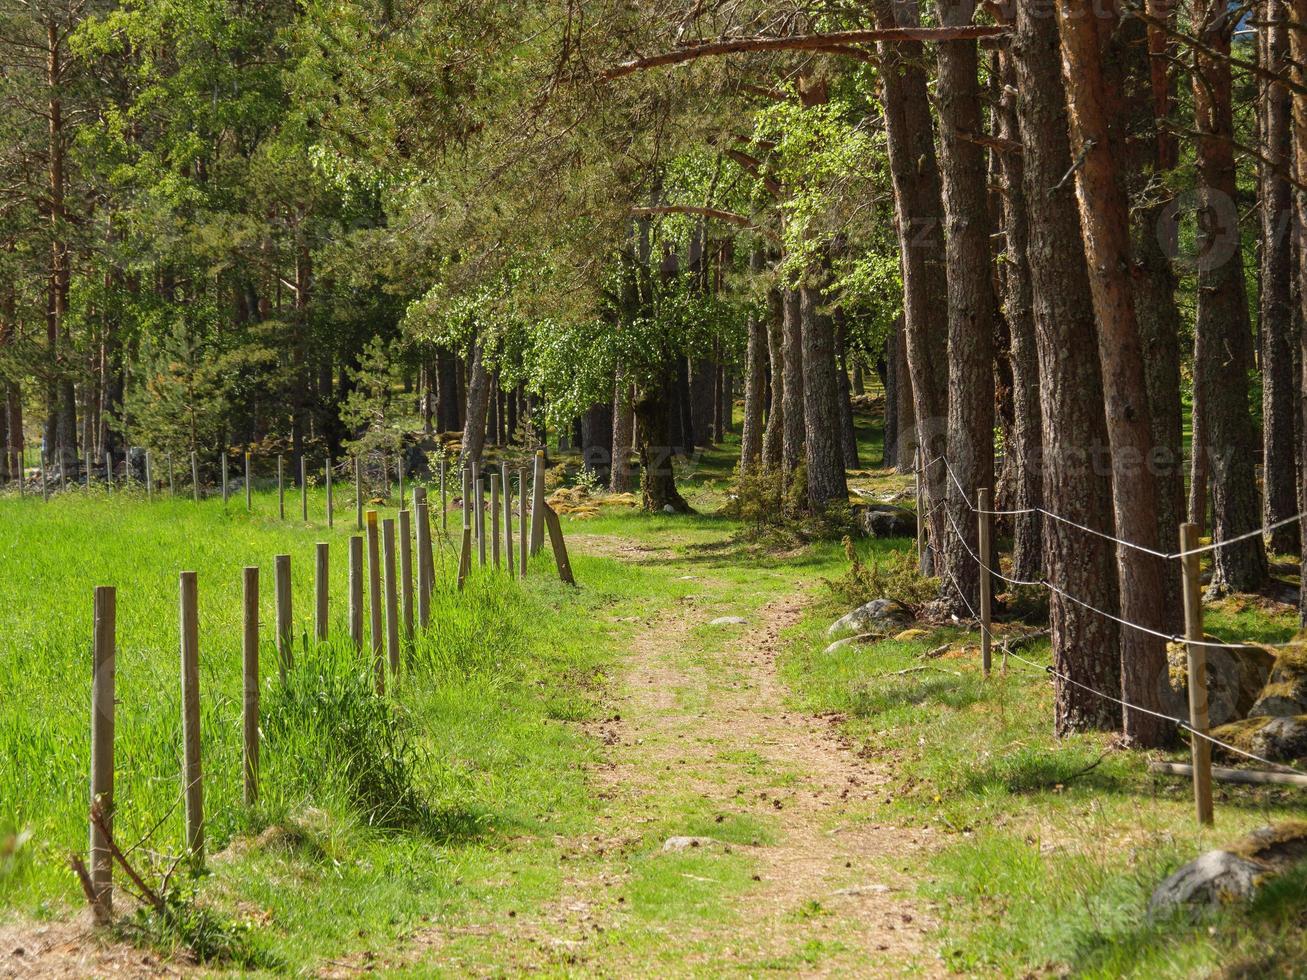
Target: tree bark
<point>773,435</point>
<point>848,433</point>
<point>1279,325</point>
<point>754,383</point>
<point>823,458</point>
<point>478,402</point>
<point>1024,451</point>
<point>597,440</point>
<point>623,432</point>
<point>1092,107</point>
<point>1222,323</point>
<point>1298,55</point>
<point>910,144</point>
<point>658,483</point>
<point>971,303</point>
<point>702,399</point>
<point>792,412</point>
<point>1085,645</point>
<point>448,416</point>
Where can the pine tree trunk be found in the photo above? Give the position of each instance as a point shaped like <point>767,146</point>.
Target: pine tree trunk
<point>909,132</point>
<point>754,384</point>
<point>773,435</point>
<point>906,442</point>
<point>1279,325</point>
<point>1092,107</point>
<point>971,302</point>
<point>658,482</point>
<point>1027,442</point>
<point>478,403</point>
<point>887,369</point>
<point>1085,645</point>
<point>823,458</point>
<point>1221,375</point>
<point>848,434</point>
<point>702,399</point>
<point>623,422</point>
<point>792,410</point>
<point>1298,56</point>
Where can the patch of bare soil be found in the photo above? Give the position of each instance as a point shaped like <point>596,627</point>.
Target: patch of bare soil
<point>75,949</point>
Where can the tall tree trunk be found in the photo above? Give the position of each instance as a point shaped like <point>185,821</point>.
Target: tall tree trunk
<point>971,300</point>
<point>478,402</point>
<point>658,482</point>
<point>1221,375</point>
<point>773,435</point>
<point>448,418</point>
<point>702,398</point>
<point>887,369</point>
<point>1085,644</point>
<point>597,440</point>
<point>1092,106</point>
<point>623,433</point>
<point>906,441</point>
<point>793,407</point>
<point>1298,56</point>
<point>910,144</point>
<point>1024,452</point>
<point>848,434</point>
<point>754,383</point>
<point>1278,327</point>
<point>823,457</point>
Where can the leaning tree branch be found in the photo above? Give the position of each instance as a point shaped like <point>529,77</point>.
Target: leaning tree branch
<point>836,42</point>
<point>754,166</point>
<point>730,217</point>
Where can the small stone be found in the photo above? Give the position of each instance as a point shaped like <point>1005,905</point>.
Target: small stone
<point>1213,879</point>
<point>685,843</point>
<point>728,621</point>
<point>877,612</point>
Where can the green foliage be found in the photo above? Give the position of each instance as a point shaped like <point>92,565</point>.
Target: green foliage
<point>894,576</point>
<point>376,407</point>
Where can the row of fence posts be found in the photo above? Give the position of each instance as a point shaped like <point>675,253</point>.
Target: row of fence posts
<point>395,613</point>
<point>1196,654</point>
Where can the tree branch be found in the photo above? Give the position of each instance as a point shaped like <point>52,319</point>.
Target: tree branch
<point>837,42</point>
<point>730,217</point>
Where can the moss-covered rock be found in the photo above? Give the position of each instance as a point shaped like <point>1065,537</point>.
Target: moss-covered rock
<point>1235,678</point>
<point>1285,691</point>
<point>1280,739</point>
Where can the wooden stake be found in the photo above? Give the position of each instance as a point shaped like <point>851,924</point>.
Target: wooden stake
<point>374,602</point>
<point>559,546</point>
<point>356,591</point>
<point>281,486</point>
<point>172,485</point>
<point>45,490</point>
<point>538,504</point>
<point>444,500</point>
<point>406,571</point>
<point>465,557</point>
<point>508,522</point>
<point>523,550</point>
<point>322,581</point>
<point>467,497</point>
<point>1249,777</point>
<point>103,667</point>
<point>149,476</point>
<point>399,472</point>
<point>223,467</point>
<point>921,504</point>
<point>249,484</point>
<point>250,659</point>
<point>195,475</point>
<point>392,595</point>
<point>986,653</point>
<point>494,519</point>
<point>108,473</point>
<point>424,558</point>
<point>192,777</point>
<point>285,629</point>
<point>304,488</point>
<point>1197,656</point>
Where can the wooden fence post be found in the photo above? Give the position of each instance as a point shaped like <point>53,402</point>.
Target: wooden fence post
<point>559,546</point>
<point>508,522</point>
<point>285,629</point>
<point>358,492</point>
<point>102,765</point>
<point>467,496</point>
<point>108,473</point>
<point>281,487</point>
<point>172,485</point>
<point>424,557</point>
<point>149,476</point>
<point>406,570</point>
<point>331,507</point>
<point>1197,655</point>
<point>250,659</point>
<point>494,518</point>
<point>374,602</point>
<point>921,504</point>
<point>538,504</point>
<point>322,581</point>
<point>356,591</point>
<point>192,777</point>
<point>392,595</point>
<point>982,539</point>
<point>249,484</point>
<point>195,475</point>
<point>385,475</point>
<point>45,490</point>
<point>223,467</point>
<point>465,557</point>
<point>399,473</point>
<point>304,488</point>
<point>523,550</point>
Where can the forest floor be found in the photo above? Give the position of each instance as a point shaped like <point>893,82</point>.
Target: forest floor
<point>650,791</point>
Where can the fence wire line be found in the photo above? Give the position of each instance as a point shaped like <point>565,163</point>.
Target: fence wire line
<point>1051,670</point>
<point>1165,555</point>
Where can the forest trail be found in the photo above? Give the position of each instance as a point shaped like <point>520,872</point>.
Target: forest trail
<point>698,724</point>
